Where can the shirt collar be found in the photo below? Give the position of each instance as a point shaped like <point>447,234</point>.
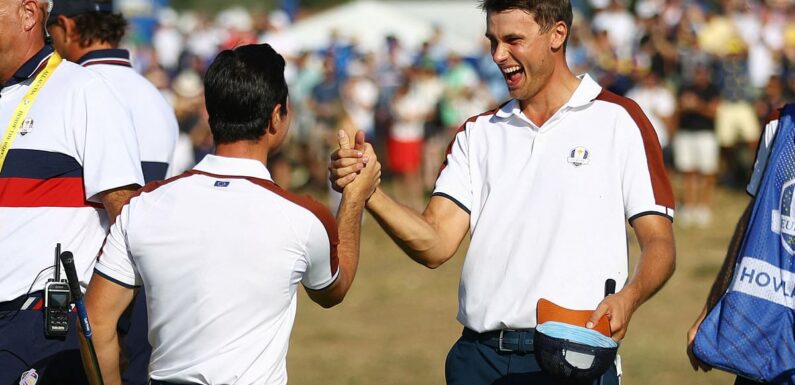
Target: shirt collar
<point>31,67</point>
<point>226,166</point>
<point>120,57</point>
<point>585,93</point>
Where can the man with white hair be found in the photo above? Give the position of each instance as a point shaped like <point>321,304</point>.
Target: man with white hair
<point>68,160</point>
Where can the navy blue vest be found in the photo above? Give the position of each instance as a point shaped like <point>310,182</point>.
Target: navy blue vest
<point>750,331</point>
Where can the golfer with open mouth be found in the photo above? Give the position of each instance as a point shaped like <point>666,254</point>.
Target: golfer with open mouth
<point>544,185</point>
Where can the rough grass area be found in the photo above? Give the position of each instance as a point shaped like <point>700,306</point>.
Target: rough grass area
<point>397,324</point>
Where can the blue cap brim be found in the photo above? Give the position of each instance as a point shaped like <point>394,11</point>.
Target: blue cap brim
<point>577,334</point>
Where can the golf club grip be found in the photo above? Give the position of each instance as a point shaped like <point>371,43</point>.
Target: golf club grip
<point>610,287</point>
<point>82,314</point>
<point>68,261</point>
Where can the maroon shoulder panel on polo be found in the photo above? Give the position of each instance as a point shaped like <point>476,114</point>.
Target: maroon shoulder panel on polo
<point>663,193</point>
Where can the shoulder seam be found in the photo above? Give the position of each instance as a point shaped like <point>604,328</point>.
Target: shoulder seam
<point>461,128</point>
<point>661,186</point>
<point>154,185</point>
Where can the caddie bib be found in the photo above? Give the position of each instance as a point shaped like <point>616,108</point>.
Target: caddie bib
<point>750,331</point>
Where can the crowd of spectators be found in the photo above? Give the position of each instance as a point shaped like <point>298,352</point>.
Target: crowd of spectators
<point>706,73</point>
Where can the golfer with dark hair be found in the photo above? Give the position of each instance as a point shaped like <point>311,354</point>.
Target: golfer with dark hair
<point>221,249</point>
<point>87,32</point>
<point>544,185</point>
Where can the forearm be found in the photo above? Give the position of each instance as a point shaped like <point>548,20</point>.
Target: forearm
<point>349,222</point>
<point>106,345</point>
<point>726,272</point>
<point>410,230</point>
<point>655,266</point>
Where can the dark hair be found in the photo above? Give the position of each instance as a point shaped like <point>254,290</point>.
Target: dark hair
<point>545,12</point>
<point>100,27</point>
<point>241,89</point>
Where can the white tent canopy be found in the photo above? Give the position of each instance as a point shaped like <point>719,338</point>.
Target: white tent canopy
<point>367,23</point>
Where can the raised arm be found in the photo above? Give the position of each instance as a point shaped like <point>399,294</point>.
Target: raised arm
<point>655,265</point>
<point>349,219</point>
<point>430,238</point>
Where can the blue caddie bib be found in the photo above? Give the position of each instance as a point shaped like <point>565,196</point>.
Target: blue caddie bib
<point>750,331</point>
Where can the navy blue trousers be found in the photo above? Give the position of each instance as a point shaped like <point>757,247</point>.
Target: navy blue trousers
<point>470,362</point>
<point>23,347</point>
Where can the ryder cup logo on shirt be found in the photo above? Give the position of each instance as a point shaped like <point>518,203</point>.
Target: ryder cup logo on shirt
<point>579,156</point>
<point>27,127</point>
<point>783,222</point>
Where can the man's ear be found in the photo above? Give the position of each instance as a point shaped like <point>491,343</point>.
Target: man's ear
<point>276,119</point>
<point>559,31</point>
<point>70,28</point>
<point>32,14</point>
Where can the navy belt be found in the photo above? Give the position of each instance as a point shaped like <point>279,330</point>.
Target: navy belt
<point>32,301</point>
<point>506,341</point>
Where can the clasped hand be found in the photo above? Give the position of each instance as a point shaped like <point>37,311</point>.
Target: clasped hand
<point>354,167</point>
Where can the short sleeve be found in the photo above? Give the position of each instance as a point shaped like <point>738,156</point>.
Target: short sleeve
<point>645,185</point>
<point>762,155</point>
<point>321,255</point>
<point>115,263</point>
<point>454,181</point>
<point>110,156</point>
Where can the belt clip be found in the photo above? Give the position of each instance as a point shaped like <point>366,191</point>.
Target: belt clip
<point>499,344</point>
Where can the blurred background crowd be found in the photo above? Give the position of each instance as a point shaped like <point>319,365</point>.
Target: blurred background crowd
<point>707,73</point>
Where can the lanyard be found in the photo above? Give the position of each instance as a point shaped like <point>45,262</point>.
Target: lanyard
<point>17,119</point>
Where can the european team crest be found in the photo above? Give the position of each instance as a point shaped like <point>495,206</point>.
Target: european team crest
<point>27,127</point>
<point>579,156</point>
<point>783,222</point>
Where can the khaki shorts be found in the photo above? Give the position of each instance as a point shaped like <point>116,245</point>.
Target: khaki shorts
<point>696,151</point>
<point>736,122</point>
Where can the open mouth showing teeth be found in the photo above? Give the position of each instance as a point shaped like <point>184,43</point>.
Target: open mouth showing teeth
<point>510,71</point>
<point>512,75</point>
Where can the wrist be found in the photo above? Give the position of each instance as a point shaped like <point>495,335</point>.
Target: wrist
<point>374,198</point>
<point>633,293</point>
<point>355,197</point>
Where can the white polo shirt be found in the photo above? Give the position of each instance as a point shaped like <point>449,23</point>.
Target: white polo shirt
<point>153,118</point>
<point>548,204</point>
<point>221,250</point>
<point>77,141</point>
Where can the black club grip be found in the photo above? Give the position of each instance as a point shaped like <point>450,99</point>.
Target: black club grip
<point>68,261</point>
<point>610,287</point>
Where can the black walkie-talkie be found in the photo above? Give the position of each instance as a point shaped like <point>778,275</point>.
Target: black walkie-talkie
<point>57,302</point>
